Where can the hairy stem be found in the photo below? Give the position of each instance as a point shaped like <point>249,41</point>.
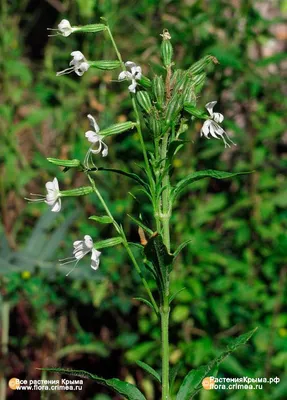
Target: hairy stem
<point>165,348</point>
<point>125,243</point>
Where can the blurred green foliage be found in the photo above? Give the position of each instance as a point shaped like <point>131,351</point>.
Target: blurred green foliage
<point>234,270</point>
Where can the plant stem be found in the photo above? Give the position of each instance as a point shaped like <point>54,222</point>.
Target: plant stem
<point>165,215</point>
<point>116,47</point>
<point>165,218</point>
<point>165,348</point>
<point>5,312</point>
<point>125,243</point>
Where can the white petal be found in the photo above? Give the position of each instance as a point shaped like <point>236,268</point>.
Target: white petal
<point>77,55</point>
<point>209,107</point>
<point>77,243</point>
<point>130,64</point>
<point>88,241</point>
<point>56,184</point>
<point>105,150</point>
<point>136,72</point>
<point>218,117</point>
<point>205,128</point>
<point>57,206</point>
<point>93,123</point>
<point>92,136</point>
<point>64,24</point>
<point>82,68</point>
<point>50,186</point>
<point>124,75</point>
<point>213,129</point>
<point>98,150</point>
<point>132,87</point>
<point>95,259</point>
<point>80,254</point>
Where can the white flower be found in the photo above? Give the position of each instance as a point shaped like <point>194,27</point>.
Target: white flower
<point>52,197</point>
<point>95,138</point>
<point>133,75</point>
<point>64,28</point>
<point>79,64</point>
<point>81,248</point>
<point>211,126</point>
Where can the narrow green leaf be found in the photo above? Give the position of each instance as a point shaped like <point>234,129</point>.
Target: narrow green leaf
<point>145,301</point>
<point>172,297</point>
<point>181,247</point>
<point>108,243</point>
<point>149,370</point>
<point>130,175</point>
<point>192,382</point>
<point>140,223</point>
<point>156,252</point>
<point>103,220</point>
<point>208,173</point>
<point>129,391</point>
<point>90,348</point>
<point>173,373</point>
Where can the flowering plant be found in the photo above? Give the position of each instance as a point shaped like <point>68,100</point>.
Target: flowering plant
<point>163,106</point>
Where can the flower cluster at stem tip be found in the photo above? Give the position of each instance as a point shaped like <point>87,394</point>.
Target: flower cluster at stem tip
<point>133,73</point>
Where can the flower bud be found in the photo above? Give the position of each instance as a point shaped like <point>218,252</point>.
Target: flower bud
<point>154,126</point>
<point>200,65</point>
<point>144,101</point>
<point>198,82</point>
<point>166,48</point>
<point>81,191</point>
<point>92,28</point>
<point>158,90</point>
<point>105,64</point>
<point>191,109</point>
<point>65,163</point>
<point>145,82</point>
<point>117,128</point>
<point>174,107</point>
<point>108,243</point>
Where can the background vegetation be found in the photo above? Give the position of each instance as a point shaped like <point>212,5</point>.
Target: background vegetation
<point>234,271</point>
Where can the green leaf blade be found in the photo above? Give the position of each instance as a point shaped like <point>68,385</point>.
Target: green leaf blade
<point>102,220</point>
<point>129,391</point>
<point>149,370</point>
<point>208,173</point>
<point>192,382</point>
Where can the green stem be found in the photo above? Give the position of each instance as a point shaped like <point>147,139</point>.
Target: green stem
<point>116,47</point>
<point>165,218</point>
<point>165,348</point>
<point>5,312</point>
<point>138,123</point>
<point>125,243</point>
<point>165,215</point>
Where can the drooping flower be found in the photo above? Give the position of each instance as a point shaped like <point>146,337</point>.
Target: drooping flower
<point>82,248</point>
<point>52,198</point>
<point>79,65</point>
<point>133,75</point>
<point>211,126</point>
<point>64,28</point>
<point>95,138</point>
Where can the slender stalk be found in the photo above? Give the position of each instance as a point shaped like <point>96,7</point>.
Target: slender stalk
<point>5,312</point>
<point>116,47</point>
<point>125,243</point>
<point>165,348</point>
<point>165,215</point>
